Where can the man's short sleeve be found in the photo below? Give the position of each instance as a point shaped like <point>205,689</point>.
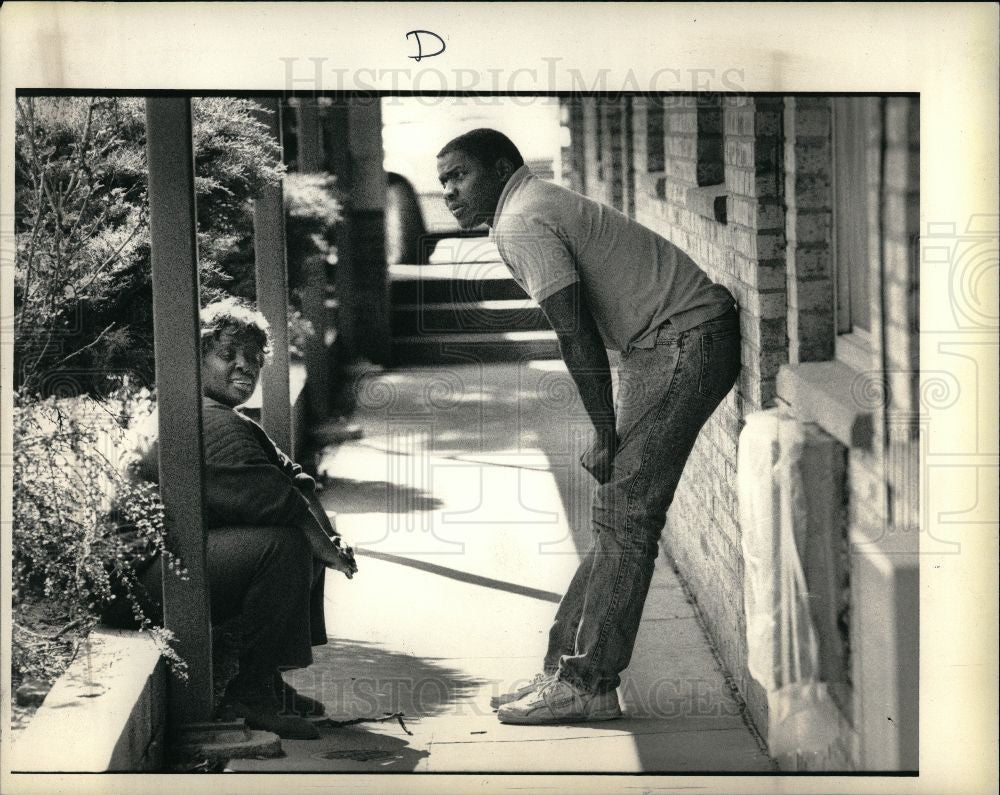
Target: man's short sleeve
<point>536,255</point>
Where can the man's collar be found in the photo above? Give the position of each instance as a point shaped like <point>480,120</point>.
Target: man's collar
<point>516,179</point>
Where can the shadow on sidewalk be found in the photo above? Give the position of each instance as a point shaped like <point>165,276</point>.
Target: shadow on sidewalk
<point>357,749</point>
<point>462,576</point>
<point>376,496</point>
<point>355,679</point>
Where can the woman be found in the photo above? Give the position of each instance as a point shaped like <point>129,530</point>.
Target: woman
<point>269,540</point>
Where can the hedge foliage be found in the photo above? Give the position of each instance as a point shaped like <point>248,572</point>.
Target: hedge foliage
<point>83,350</point>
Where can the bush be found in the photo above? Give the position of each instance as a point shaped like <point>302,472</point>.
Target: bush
<point>82,289</point>
<point>313,209</point>
<point>70,493</point>
<point>83,329</point>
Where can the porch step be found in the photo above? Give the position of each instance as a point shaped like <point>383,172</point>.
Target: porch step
<point>463,312</point>
<point>440,291</point>
<point>478,316</point>
<point>465,348</point>
<point>453,283</point>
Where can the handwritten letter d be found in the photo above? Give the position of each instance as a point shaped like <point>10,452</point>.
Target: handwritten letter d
<point>420,46</point>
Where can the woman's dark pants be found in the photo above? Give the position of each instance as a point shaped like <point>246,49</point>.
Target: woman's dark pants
<point>266,575</point>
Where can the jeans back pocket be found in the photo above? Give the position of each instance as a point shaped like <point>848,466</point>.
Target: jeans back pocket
<point>720,363</point>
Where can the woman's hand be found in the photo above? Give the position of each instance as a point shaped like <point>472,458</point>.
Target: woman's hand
<point>332,550</point>
<point>342,558</point>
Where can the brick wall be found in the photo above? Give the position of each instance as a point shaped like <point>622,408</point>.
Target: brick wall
<point>774,249</point>
<point>746,255</point>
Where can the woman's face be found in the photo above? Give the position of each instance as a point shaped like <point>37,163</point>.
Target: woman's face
<point>230,367</point>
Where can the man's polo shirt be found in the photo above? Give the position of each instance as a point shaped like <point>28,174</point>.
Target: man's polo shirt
<point>633,279</point>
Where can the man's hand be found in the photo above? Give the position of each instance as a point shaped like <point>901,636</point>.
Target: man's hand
<point>599,458</point>
<point>587,361</point>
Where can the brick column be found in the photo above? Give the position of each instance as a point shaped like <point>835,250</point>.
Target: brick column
<point>809,202</point>
<point>753,154</point>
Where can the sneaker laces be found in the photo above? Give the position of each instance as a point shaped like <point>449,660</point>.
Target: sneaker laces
<point>546,690</point>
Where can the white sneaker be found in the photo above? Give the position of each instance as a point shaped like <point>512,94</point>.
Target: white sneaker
<point>536,682</point>
<point>560,702</point>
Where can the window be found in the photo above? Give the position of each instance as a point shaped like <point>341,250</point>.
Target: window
<point>851,254</point>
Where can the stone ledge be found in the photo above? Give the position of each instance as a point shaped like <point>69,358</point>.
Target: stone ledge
<point>107,712</point>
<point>821,392</point>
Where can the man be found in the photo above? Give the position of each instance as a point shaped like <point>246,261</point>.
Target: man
<point>604,282</point>
<point>269,539</point>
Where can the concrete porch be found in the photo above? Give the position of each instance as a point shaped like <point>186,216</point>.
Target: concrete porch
<point>467,508</point>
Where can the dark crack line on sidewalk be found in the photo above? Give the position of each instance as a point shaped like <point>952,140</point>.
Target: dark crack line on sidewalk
<point>625,735</point>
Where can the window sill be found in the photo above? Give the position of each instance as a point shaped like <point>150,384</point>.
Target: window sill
<point>710,201</point>
<point>854,350</point>
<point>824,393</point>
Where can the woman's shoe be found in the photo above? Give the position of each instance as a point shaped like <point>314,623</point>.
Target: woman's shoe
<point>292,701</point>
<point>263,713</point>
<point>253,698</point>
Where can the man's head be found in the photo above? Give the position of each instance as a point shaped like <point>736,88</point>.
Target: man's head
<point>235,344</point>
<point>473,168</point>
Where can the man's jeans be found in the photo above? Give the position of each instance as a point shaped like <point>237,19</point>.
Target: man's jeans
<point>665,395</point>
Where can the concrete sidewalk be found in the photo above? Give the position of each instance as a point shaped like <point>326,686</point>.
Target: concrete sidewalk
<point>469,513</point>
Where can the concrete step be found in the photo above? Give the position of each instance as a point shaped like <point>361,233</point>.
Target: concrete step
<point>453,283</point>
<point>479,316</point>
<point>416,291</point>
<point>438,310</point>
<point>465,348</point>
